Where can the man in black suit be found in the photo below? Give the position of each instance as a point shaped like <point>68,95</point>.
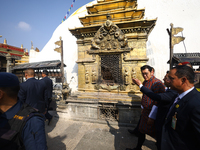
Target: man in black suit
<point>160,111</point>
<point>181,129</point>
<point>49,86</point>
<point>33,92</point>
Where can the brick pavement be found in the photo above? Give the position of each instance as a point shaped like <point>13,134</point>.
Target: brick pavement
<point>65,134</point>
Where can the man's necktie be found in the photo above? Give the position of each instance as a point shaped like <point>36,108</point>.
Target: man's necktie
<point>173,105</point>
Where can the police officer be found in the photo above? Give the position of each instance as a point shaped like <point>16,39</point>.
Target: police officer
<point>21,126</point>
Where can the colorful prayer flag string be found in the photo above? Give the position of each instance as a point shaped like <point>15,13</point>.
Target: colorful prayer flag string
<point>65,17</point>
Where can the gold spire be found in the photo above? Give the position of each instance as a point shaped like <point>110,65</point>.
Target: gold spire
<point>5,41</point>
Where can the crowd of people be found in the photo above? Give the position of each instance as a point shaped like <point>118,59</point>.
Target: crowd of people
<point>172,115</point>
<point>170,110</point>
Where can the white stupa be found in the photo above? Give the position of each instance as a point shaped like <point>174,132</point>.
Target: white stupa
<point>181,13</point>
<point>69,47</point>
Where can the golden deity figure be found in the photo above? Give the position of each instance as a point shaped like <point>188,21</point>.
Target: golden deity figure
<point>93,76</point>
<point>126,77</point>
<point>133,75</point>
<point>86,77</point>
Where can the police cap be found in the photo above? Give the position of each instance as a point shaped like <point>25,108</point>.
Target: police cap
<point>8,79</point>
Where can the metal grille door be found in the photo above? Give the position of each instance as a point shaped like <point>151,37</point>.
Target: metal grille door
<point>110,70</point>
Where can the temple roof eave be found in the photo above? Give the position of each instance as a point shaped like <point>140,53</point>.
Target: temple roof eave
<point>14,56</point>
<point>109,5</point>
<point>39,65</point>
<point>128,25</point>
<point>13,52</point>
<point>10,47</point>
<point>121,11</point>
<point>124,15</point>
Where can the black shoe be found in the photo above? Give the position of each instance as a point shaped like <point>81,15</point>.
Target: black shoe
<point>134,132</point>
<point>49,120</point>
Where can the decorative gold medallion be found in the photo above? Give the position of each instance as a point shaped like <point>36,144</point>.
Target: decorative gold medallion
<point>177,105</point>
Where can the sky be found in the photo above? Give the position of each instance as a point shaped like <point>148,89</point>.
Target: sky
<point>23,21</point>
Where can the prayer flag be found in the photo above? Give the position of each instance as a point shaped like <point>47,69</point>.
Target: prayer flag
<point>69,10</point>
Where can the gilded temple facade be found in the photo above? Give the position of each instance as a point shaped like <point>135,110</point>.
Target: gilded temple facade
<point>111,50</point>
<point>111,47</point>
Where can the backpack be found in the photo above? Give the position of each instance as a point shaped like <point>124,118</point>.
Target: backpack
<point>11,133</point>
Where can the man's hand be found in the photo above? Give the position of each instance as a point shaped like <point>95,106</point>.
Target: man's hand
<point>136,81</point>
<point>150,121</point>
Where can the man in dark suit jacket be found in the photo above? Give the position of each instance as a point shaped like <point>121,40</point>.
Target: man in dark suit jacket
<point>33,92</point>
<point>181,129</point>
<point>49,86</point>
<point>164,100</point>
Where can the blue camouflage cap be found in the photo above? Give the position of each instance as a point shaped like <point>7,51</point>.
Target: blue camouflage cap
<point>8,79</point>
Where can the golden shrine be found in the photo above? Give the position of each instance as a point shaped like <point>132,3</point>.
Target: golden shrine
<point>111,50</point>
<point>111,47</point>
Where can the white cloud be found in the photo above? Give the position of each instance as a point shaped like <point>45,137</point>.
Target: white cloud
<point>24,26</point>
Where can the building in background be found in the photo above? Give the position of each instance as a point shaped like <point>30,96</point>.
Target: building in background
<point>11,56</point>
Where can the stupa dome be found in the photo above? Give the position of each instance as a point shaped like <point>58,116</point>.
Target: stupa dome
<point>69,46</point>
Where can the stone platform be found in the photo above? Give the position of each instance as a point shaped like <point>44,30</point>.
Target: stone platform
<point>122,109</point>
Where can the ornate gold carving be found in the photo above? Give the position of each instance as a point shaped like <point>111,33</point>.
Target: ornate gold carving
<point>86,77</point>
<point>94,57</point>
<point>124,56</point>
<point>133,75</point>
<point>126,77</point>
<point>109,37</point>
<point>122,88</point>
<point>93,76</point>
<point>107,87</point>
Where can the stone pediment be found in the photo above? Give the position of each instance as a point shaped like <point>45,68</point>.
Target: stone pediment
<point>109,38</point>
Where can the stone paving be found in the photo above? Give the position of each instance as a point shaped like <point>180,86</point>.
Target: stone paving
<point>65,134</point>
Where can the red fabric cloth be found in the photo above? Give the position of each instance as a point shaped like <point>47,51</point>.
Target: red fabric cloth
<point>157,87</point>
<point>185,63</point>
